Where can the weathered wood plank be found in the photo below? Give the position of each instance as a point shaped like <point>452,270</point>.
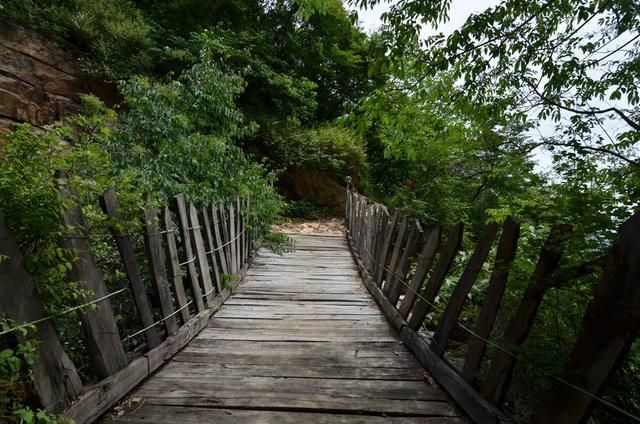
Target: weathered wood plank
<point>424,305</point>
<point>292,342</point>
<point>158,268</point>
<point>386,247</point>
<point>54,375</point>
<point>505,255</point>
<point>428,254</point>
<point>183,222</point>
<point>459,296</point>
<point>110,206</point>
<point>398,282</point>
<point>498,378</point>
<point>211,246</point>
<point>201,254</point>
<point>174,265</point>
<point>162,414</point>
<point>609,327</point>
<point>99,324</point>
<point>217,231</point>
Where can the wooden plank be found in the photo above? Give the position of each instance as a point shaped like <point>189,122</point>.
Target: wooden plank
<point>232,235</point>
<point>217,231</point>
<point>380,223</point>
<point>97,400</point>
<point>238,241</point>
<point>609,328</point>
<point>297,343</point>
<point>428,254</point>
<point>162,414</point>
<point>504,258</point>
<point>54,376</point>
<point>99,324</point>
<point>201,254</point>
<point>224,223</point>
<point>452,312</point>
<point>183,222</point>
<point>424,305</point>
<point>211,246</point>
<point>174,265</point>
<point>110,206</point>
<point>463,394</point>
<point>498,378</point>
<point>393,263</point>
<point>399,276</point>
<point>386,247</point>
<point>158,268</point>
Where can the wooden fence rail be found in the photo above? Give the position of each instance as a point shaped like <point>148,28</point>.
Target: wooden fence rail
<point>210,248</point>
<point>384,244</point>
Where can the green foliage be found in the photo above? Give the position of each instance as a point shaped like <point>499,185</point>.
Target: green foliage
<point>338,151</point>
<point>305,209</point>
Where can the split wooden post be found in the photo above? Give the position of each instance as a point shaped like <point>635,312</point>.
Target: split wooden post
<point>99,324</point>
<point>181,211</point>
<point>54,375</point>
<point>609,327</point>
<point>428,254</point>
<point>456,302</point>
<point>174,265</point>
<point>110,206</point>
<point>499,375</point>
<point>158,268</point>
<point>381,226</point>
<point>424,305</point>
<point>505,255</point>
<point>212,249</point>
<point>238,242</point>
<point>201,254</point>
<point>232,237</point>
<point>386,245</point>
<point>224,225</point>
<point>400,272</point>
<point>217,225</point>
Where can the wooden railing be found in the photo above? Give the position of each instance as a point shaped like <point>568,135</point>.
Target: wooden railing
<point>209,249</point>
<point>387,246</point>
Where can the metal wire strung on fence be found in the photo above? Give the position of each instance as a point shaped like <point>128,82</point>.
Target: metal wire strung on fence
<point>160,321</point>
<point>66,311</point>
<point>226,244</point>
<point>418,295</point>
<point>495,345</point>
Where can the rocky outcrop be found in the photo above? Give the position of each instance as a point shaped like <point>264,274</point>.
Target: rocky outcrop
<point>40,81</point>
<point>315,186</point>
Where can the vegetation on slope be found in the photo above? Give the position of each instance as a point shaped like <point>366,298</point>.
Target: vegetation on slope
<point>234,94</point>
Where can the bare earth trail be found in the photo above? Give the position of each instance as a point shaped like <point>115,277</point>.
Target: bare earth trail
<point>301,341</point>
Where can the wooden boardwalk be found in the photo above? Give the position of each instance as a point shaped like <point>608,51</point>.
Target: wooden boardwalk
<point>301,341</point>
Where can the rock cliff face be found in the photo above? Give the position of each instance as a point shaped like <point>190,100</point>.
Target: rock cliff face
<point>40,81</point>
<point>313,185</point>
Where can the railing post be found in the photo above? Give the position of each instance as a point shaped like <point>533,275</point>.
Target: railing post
<point>456,302</point>
<point>424,305</point>
<point>499,375</point>
<point>101,331</point>
<point>54,375</point>
<point>609,327</point>
<point>158,267</point>
<point>505,255</point>
<point>110,206</point>
<point>174,265</point>
<point>183,219</point>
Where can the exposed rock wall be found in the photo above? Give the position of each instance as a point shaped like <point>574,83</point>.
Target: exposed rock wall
<point>313,185</point>
<point>40,81</point>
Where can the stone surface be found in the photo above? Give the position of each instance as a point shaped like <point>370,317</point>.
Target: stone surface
<point>315,186</point>
<point>40,81</point>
